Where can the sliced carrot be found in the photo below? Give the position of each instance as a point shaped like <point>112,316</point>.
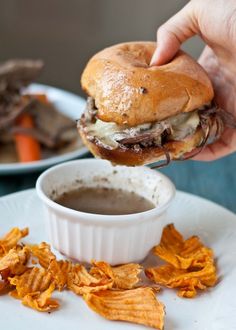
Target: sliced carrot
<point>40,97</point>
<point>27,147</point>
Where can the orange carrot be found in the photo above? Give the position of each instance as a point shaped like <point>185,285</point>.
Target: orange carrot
<point>40,97</point>
<point>27,147</point>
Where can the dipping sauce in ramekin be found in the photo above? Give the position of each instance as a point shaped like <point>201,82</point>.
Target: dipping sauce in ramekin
<point>116,238</point>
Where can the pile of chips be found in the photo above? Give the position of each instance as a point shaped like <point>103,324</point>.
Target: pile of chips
<point>189,264</point>
<point>31,273</point>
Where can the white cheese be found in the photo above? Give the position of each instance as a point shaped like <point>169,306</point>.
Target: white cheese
<point>109,133</point>
<point>183,125</point>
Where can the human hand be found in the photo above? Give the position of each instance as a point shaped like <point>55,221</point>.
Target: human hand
<point>215,22</point>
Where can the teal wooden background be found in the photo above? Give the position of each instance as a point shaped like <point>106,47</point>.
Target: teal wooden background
<point>214,180</point>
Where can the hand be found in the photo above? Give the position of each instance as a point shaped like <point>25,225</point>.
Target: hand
<point>215,22</point>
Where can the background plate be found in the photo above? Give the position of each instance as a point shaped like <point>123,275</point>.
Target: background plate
<point>215,309</point>
<point>67,103</point>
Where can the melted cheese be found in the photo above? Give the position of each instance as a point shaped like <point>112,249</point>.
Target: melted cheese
<point>183,125</point>
<point>109,133</point>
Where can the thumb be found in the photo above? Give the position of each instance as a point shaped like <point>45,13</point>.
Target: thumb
<point>173,33</point>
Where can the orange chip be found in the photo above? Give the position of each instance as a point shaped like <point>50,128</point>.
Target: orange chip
<point>44,254</point>
<point>124,277</point>
<point>11,239</point>
<point>4,287</point>
<point>101,269</point>
<point>41,301</point>
<point>14,262</point>
<point>188,281</point>
<point>137,306</point>
<point>181,253</point>
<point>33,280</point>
<point>80,281</point>
<point>60,270</point>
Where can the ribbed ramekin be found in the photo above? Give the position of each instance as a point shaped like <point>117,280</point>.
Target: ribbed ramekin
<point>116,239</point>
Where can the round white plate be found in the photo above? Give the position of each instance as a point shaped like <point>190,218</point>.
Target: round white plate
<point>69,104</point>
<point>215,309</point>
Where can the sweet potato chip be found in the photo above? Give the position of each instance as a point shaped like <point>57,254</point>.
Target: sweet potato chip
<point>11,239</point>
<point>44,254</point>
<point>4,286</point>
<point>110,291</point>
<point>14,262</point>
<point>137,305</point>
<point>124,277</point>
<point>101,269</point>
<point>188,281</point>
<point>33,280</point>
<point>181,253</point>
<point>41,301</point>
<point>60,270</point>
<point>80,281</point>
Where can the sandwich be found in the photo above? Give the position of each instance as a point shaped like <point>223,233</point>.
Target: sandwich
<point>137,114</point>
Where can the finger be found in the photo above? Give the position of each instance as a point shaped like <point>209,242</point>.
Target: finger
<point>206,54</point>
<point>173,33</point>
<point>215,151</point>
<point>209,61</point>
<point>207,155</point>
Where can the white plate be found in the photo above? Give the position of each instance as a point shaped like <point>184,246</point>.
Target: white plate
<point>215,309</point>
<point>70,105</point>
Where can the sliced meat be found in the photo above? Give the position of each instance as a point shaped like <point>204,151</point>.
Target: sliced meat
<point>146,136</point>
<point>110,134</point>
<point>9,114</point>
<point>48,141</point>
<point>15,74</point>
<point>52,126</point>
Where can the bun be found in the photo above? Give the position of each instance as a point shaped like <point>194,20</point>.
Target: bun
<point>130,157</point>
<point>128,91</point>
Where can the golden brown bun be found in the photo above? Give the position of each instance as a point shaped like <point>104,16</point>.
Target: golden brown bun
<point>128,91</point>
<point>130,157</point>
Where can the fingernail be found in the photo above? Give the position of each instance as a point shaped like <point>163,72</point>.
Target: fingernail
<point>154,59</point>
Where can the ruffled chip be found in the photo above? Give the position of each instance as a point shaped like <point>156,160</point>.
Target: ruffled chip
<point>190,264</point>
<point>14,262</point>
<point>33,280</point>
<point>101,269</point>
<point>4,287</point>
<point>80,281</point>
<point>187,281</point>
<point>44,254</point>
<point>137,306</point>
<point>181,253</point>
<point>41,301</point>
<point>60,270</point>
<point>11,239</point>
<point>124,277</point>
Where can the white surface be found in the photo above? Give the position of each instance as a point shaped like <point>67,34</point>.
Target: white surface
<point>214,310</point>
<point>118,238</point>
<point>69,104</point>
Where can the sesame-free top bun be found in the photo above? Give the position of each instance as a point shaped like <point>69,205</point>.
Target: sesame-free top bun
<point>128,91</point>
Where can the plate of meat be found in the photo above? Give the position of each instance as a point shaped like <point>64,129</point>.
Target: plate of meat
<point>37,122</point>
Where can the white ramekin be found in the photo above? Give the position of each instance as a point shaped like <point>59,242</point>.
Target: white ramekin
<point>116,239</point>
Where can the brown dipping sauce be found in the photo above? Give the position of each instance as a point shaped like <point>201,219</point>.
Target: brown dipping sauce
<point>107,201</point>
